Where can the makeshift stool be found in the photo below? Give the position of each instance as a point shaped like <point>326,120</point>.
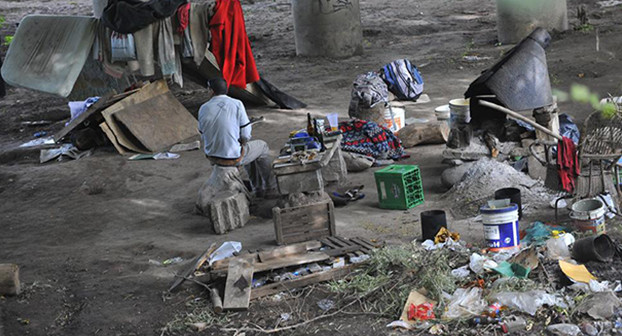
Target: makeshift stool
<point>223,199</point>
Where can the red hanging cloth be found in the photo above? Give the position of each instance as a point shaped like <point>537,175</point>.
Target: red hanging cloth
<point>568,161</point>
<point>230,44</point>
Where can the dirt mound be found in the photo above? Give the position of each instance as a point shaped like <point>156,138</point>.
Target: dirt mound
<point>480,182</point>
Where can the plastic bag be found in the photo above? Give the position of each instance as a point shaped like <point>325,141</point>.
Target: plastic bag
<point>564,329</point>
<point>465,302</point>
<point>123,47</point>
<point>226,250</point>
<point>528,302</point>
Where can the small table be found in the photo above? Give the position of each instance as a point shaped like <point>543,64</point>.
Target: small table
<point>294,177</point>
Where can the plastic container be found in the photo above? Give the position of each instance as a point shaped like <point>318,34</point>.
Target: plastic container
<point>399,187</point>
<point>394,118</point>
<point>459,111</point>
<point>501,227</point>
<point>431,222</point>
<point>442,113</point>
<point>513,194</point>
<point>333,121</point>
<point>594,248</point>
<point>589,216</point>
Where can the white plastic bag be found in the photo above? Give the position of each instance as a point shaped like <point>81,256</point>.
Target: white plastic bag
<point>226,250</point>
<point>528,302</point>
<point>122,46</point>
<point>464,303</point>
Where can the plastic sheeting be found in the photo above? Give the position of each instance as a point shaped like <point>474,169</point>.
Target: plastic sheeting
<point>48,52</point>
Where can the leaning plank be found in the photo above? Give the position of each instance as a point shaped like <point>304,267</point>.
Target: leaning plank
<point>238,285</point>
<point>280,252</point>
<point>198,261</point>
<point>306,280</point>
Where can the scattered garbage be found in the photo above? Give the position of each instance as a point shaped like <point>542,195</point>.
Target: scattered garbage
<point>172,261</point>
<point>600,305</point>
<point>38,142</point>
<point>594,248</point>
<point>464,303</point>
<point>66,150</point>
<point>564,329</point>
<point>226,250</point>
<point>575,272</point>
<point>156,156</point>
<point>326,304</point>
<point>528,302</point>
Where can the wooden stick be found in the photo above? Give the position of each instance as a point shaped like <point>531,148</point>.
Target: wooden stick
<point>214,295</point>
<point>520,117</point>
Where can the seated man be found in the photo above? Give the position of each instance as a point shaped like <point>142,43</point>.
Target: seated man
<point>226,133</point>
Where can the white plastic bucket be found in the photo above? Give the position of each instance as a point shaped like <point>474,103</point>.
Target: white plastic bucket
<point>460,112</point>
<point>442,113</point>
<point>589,216</point>
<point>394,118</point>
<point>501,227</point>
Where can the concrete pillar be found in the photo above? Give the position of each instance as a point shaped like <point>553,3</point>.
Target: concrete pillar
<point>327,28</point>
<point>518,18</point>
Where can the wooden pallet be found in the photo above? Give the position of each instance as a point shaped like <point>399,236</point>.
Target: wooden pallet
<point>353,247</point>
<point>303,223</point>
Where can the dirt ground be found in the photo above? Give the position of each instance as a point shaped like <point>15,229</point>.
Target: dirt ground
<point>83,231</point>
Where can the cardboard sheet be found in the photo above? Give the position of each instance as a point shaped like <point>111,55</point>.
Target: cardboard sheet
<point>577,273</point>
<point>48,52</point>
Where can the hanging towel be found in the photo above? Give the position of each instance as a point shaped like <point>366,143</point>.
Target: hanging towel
<point>144,50</point>
<point>199,29</point>
<point>568,161</point>
<point>230,44</point>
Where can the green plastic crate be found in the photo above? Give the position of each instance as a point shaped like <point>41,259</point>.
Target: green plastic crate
<point>399,187</point>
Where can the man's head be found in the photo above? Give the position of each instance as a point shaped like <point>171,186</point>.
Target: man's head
<point>218,85</point>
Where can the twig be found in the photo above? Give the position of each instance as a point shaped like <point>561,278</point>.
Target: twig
<point>196,282</point>
<point>294,326</point>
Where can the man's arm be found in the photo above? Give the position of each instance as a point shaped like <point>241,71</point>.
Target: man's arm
<point>245,132</point>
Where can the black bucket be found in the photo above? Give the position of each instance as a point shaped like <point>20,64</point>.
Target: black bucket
<point>514,195</point>
<point>596,248</point>
<point>431,222</point>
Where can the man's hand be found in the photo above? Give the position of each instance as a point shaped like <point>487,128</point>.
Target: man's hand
<point>243,141</point>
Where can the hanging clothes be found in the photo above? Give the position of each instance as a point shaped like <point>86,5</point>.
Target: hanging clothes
<point>129,16</point>
<point>230,44</point>
<point>199,29</point>
<point>183,17</point>
<point>568,161</point>
<point>170,63</point>
<point>144,50</point>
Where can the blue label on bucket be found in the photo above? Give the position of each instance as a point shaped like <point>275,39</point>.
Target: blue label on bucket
<point>502,235</point>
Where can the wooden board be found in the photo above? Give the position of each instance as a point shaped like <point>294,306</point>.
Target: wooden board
<point>159,122</point>
<point>238,285</point>
<point>306,280</point>
<point>303,223</point>
<point>280,252</point>
<point>273,264</point>
<point>135,126</point>
<point>198,261</point>
<point>112,138</point>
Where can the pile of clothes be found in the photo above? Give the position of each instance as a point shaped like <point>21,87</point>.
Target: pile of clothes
<point>141,34</point>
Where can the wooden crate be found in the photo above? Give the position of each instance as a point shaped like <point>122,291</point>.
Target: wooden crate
<point>298,224</point>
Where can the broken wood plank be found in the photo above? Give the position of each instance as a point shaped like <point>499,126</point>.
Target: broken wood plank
<point>273,264</point>
<point>329,243</point>
<point>239,283</point>
<point>306,280</point>
<point>198,262</point>
<point>280,252</point>
<point>341,251</point>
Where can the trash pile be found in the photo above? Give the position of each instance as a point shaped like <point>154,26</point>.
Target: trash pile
<point>452,288</point>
